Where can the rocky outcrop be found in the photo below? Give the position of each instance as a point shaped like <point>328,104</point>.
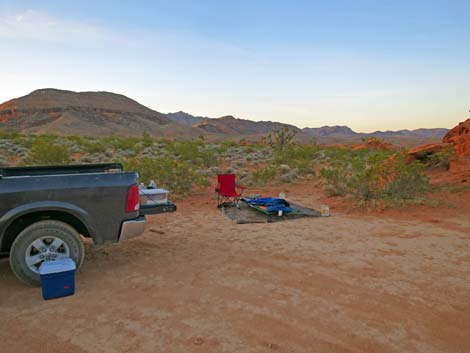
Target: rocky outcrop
<point>422,152</point>
<point>456,167</point>
<point>459,136</point>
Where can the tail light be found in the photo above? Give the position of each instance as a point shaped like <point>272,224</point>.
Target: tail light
<point>133,199</point>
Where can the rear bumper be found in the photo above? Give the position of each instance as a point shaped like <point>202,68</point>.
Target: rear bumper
<point>132,228</point>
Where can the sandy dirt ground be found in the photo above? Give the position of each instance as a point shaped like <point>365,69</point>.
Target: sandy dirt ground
<point>395,281</point>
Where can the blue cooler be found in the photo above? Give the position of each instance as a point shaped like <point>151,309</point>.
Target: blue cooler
<point>57,278</point>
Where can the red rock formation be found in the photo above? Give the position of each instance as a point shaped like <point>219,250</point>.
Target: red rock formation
<point>421,152</point>
<point>457,169</point>
<point>460,137</point>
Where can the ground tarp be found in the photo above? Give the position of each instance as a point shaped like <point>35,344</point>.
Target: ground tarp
<point>245,214</point>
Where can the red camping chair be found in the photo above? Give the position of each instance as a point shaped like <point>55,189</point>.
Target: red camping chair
<point>227,189</point>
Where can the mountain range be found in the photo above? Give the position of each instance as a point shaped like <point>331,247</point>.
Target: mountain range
<point>230,126</point>
<point>46,111</point>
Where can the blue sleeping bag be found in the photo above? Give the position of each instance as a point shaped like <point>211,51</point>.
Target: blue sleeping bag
<point>272,204</point>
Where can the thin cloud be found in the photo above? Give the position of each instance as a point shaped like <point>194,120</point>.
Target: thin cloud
<point>40,26</point>
<point>34,25</point>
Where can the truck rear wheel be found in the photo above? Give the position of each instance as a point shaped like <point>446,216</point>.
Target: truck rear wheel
<point>44,241</point>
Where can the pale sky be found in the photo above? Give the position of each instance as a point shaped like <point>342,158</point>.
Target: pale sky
<point>371,65</point>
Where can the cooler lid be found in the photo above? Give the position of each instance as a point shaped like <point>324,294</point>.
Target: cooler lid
<point>153,191</point>
<point>61,265</point>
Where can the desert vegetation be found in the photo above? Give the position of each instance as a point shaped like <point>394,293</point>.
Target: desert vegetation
<point>363,175</point>
<point>370,176</point>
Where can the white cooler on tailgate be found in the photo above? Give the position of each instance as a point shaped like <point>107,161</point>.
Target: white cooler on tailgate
<point>153,196</point>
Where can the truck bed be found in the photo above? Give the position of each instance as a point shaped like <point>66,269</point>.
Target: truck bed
<point>96,194</point>
<point>61,170</point>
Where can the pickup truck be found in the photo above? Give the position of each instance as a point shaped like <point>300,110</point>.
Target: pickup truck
<point>44,212</point>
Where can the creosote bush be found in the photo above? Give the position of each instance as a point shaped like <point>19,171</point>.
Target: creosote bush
<point>130,144</point>
<point>195,152</point>
<point>375,175</point>
<point>47,152</point>
<point>177,176</point>
<point>297,157</point>
<point>264,175</point>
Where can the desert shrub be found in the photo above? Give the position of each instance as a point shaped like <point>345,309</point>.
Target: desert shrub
<point>3,162</point>
<point>336,180</point>
<point>177,176</point>
<point>264,175</point>
<point>377,175</point>
<point>86,159</point>
<point>402,180</point>
<point>193,152</point>
<point>253,148</point>
<point>48,138</point>
<point>214,170</point>
<point>9,135</point>
<point>92,146</point>
<point>227,144</point>
<point>249,149</point>
<point>289,177</point>
<point>24,141</point>
<point>286,164</point>
<point>284,169</point>
<point>147,140</point>
<point>74,138</point>
<point>47,152</point>
<point>131,144</point>
<point>296,157</point>
<point>238,164</point>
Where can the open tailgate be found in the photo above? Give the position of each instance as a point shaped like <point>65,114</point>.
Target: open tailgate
<point>157,208</point>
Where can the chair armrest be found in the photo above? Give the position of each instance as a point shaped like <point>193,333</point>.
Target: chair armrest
<point>241,187</point>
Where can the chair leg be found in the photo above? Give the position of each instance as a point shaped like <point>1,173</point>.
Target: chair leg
<point>221,200</point>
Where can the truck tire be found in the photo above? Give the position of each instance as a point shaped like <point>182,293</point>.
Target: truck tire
<point>44,241</point>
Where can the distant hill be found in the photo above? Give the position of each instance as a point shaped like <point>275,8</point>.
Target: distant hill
<point>437,133</point>
<point>86,113</point>
<point>49,110</point>
<point>345,135</point>
<point>242,128</point>
<point>325,131</point>
<point>185,118</point>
